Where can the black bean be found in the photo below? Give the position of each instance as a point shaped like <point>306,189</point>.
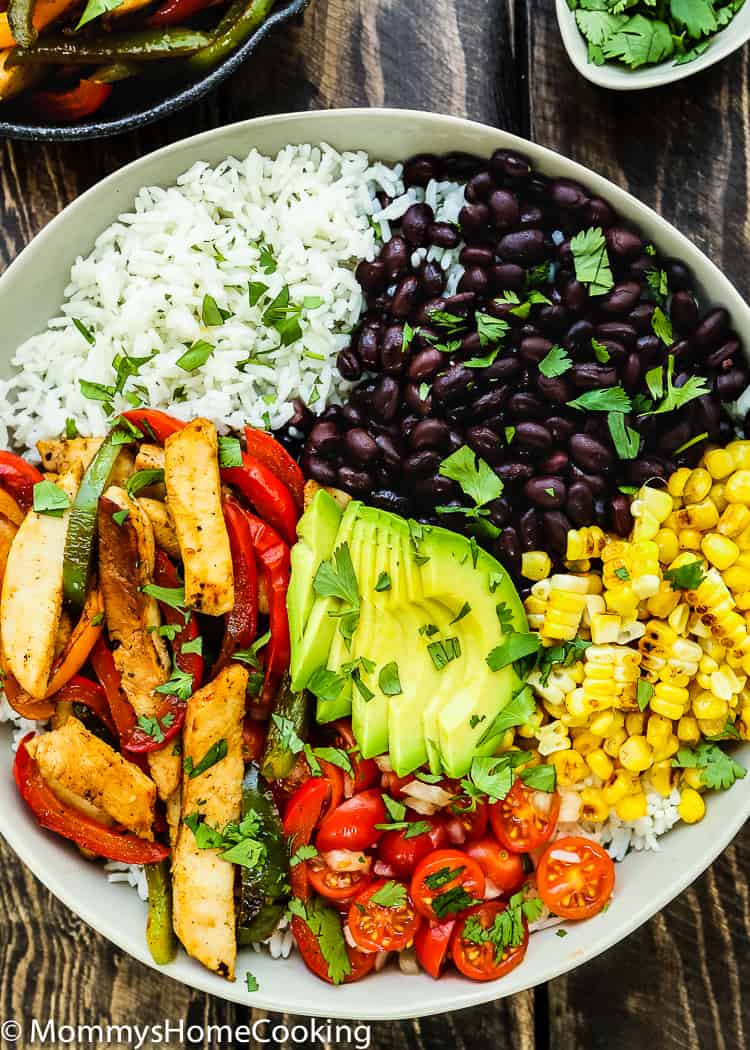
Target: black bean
<point>471,344</point>
<point>533,435</point>
<point>547,493</point>
<point>485,441</point>
<point>425,364</point>
<point>435,488</point>
<point>368,347</point>
<point>575,296</point>
<point>405,296</point>
<point>473,219</point>
<point>429,433</point>
<point>553,319</point>
<point>595,482</point>
<point>431,278</point>
<point>385,399</point>
<point>672,437</point>
<point>505,163</point>
<point>324,438</point>
<point>514,472</point>
<point>319,469</point>
<point>500,512</point>
<point>620,331</point>
<point>505,209</point>
<point>418,464</point>
<point>678,275</point>
<point>348,365</point>
<point>560,428</point>
<point>476,255</point>
<point>725,352</point>
<point>729,385</point>
<point>579,505</point>
<point>683,311</point>
<point>419,170</point>
<point>623,243</point>
<point>395,254</point>
<point>640,317</point>
<point>528,530</point>
<point>415,401</point>
<point>568,195</point>
<point>332,413</point>
<point>354,481</point>
<point>621,299</point>
<point>599,213</point>
<point>591,455</point>
<point>509,547</point>
<point>415,223</point>
<point>620,516</point>
<point>443,234</point>
<point>392,356</point>
<point>648,346</point>
<point>534,348</point>
<point>555,528</point>
<point>508,277</point>
<point>531,216</point>
<point>352,414</point>
<point>631,373</point>
<point>407,424</point>
<point>525,406</point>
<point>706,413</point>
<point>489,404</point>
<point>578,336</point>
<point>372,276</point>
<point>452,384</point>
<point>479,187</point>
<point>461,166</point>
<point>389,450</point>
<point>712,329</point>
<point>386,499</point>
<point>640,471</point>
<point>557,462</point>
<point>589,376</point>
<point>526,247</point>
<point>474,279</point>
<point>461,303</point>
<point>640,266</point>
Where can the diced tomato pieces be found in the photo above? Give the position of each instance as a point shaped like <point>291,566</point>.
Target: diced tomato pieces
<point>525,818</point>
<point>432,943</point>
<point>478,959</point>
<point>339,886</point>
<point>379,926</point>
<point>353,824</point>
<point>402,852</point>
<point>446,883</point>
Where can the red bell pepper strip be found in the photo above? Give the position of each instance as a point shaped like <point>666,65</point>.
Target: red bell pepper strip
<point>272,454</point>
<point>109,678</point>
<point>66,821</point>
<point>19,478</point>
<point>274,561</point>
<point>174,12</point>
<point>241,624</point>
<point>81,101</point>
<point>170,718</point>
<point>301,816</point>
<point>80,690</point>
<point>270,497</point>
<point>154,423</point>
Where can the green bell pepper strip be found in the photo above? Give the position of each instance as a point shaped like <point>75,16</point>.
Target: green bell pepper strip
<point>160,935</point>
<point>234,28</point>
<point>265,889</point>
<point>147,45</point>
<point>81,537</point>
<point>278,759</point>
<point>21,26</point>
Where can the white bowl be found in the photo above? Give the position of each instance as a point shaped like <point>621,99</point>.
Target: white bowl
<point>617,77</point>
<point>31,291</point>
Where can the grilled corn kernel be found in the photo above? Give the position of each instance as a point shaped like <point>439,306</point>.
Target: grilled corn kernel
<point>635,723</point>
<point>679,617</point>
<point>536,565</point>
<point>660,775</point>
<point>569,766</point>
<point>635,754</point>
<point>677,482</point>
<point>658,731</point>
<point>734,519</point>
<point>664,601</point>
<point>593,805</point>
<point>692,778</point>
<point>687,730</point>
<point>719,463</point>
<point>632,807</point>
<point>701,516</point>
<point>622,600</point>
<point>621,785</point>
<point>664,705</point>
<point>740,452</point>
<point>603,723</point>
<point>585,543</point>
<point>719,550</point>
<point>600,764</point>
<point>737,487</point>
<point>718,497</point>
<point>712,726</point>
<point>667,544</point>
<point>692,807</point>
<point>697,486</point>
<point>585,741</point>
<point>614,742</point>
<point>605,628</point>
<point>705,706</point>
<point>690,539</point>
<point>670,747</point>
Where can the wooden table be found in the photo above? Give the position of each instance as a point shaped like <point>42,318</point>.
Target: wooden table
<point>681,981</point>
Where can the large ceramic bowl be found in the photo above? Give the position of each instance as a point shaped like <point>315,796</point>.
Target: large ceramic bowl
<point>645,882</point>
<point>140,101</point>
<point>617,77</point>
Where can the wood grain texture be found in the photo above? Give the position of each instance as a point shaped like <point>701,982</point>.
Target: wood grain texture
<point>678,982</point>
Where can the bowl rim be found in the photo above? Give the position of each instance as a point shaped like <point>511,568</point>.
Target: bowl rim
<point>618,78</point>
<point>192,91</point>
<point>451,994</point>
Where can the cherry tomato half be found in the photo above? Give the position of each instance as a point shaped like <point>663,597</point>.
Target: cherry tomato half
<point>445,883</point>
<point>525,818</point>
<point>393,783</point>
<point>366,772</point>
<point>479,960</point>
<point>307,942</point>
<point>402,853</point>
<point>352,824</point>
<point>467,820</point>
<point>575,877</point>
<point>432,943</point>
<point>503,868</point>
<point>339,886</point>
<point>378,927</point>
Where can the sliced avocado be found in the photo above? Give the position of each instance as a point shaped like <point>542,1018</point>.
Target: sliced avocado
<point>311,650</point>
<point>316,535</point>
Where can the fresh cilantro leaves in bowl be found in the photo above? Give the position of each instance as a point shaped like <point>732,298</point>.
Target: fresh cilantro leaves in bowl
<point>632,44</point>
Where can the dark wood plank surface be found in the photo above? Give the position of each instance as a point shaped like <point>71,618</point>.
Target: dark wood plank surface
<point>680,981</point>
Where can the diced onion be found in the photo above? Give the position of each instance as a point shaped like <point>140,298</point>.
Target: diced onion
<point>385,871</point>
<point>566,856</point>
<point>383,762</point>
<point>380,960</point>
<point>431,794</point>
<point>456,832</point>
<point>407,961</point>
<point>491,890</point>
<point>347,860</point>
<point>542,802</point>
<point>570,807</point>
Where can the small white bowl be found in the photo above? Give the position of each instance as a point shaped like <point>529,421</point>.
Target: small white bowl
<point>617,77</point>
